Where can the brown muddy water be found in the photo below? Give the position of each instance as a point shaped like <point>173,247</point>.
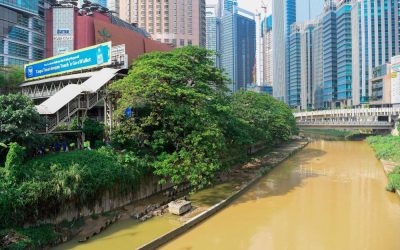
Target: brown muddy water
<point>331,195</point>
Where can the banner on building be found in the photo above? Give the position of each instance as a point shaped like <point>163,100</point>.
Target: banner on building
<point>90,57</point>
<point>395,71</point>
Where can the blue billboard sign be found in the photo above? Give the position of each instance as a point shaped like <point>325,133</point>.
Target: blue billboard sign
<point>90,57</point>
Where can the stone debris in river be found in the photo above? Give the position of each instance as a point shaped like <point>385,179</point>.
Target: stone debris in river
<point>179,207</point>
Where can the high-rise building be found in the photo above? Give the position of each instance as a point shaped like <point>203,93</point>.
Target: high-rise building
<point>213,43</point>
<point>344,53</point>
<point>318,63</point>
<point>179,22</point>
<point>229,5</point>
<point>294,76</point>
<point>307,70</point>
<point>300,79</point>
<point>375,40</point>
<point>330,54</point>
<point>22,32</point>
<point>259,50</point>
<point>283,16</point>
<point>238,47</point>
<point>266,36</point>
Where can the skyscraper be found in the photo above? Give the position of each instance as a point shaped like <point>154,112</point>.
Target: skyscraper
<point>344,54</point>
<point>179,22</point>
<point>318,63</point>
<point>22,36</point>
<point>238,46</point>
<point>283,16</point>
<point>294,76</point>
<point>375,40</point>
<point>301,77</point>
<point>330,54</point>
<point>213,24</point>
<point>266,36</point>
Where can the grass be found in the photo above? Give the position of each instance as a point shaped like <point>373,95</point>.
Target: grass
<point>388,148</point>
<point>331,132</point>
<point>28,238</point>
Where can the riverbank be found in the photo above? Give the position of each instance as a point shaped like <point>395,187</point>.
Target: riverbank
<point>330,196</point>
<point>387,150</point>
<point>335,134</point>
<point>229,183</point>
<point>248,174</point>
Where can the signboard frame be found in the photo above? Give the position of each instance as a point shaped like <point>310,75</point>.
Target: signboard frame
<point>67,58</point>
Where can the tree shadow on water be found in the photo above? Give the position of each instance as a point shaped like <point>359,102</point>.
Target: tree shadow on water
<point>285,177</point>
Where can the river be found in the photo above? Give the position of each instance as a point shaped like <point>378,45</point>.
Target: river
<point>331,195</point>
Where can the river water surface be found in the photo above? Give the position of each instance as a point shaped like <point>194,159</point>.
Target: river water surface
<point>331,195</point>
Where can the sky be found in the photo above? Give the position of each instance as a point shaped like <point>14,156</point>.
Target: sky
<point>302,7</point>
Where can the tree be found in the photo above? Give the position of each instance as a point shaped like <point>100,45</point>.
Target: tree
<point>266,119</point>
<point>19,121</point>
<point>94,130</point>
<point>178,99</point>
<point>10,79</point>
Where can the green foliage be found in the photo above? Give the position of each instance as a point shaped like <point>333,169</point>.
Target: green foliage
<point>54,180</point>
<point>177,98</point>
<point>394,180</point>
<point>184,120</point>
<point>30,238</point>
<point>10,80</point>
<point>19,121</point>
<point>94,130</point>
<point>14,162</point>
<point>332,132</point>
<point>386,147</point>
<point>266,119</point>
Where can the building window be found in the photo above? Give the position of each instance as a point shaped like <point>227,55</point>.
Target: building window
<point>19,34</point>
<point>1,61</point>
<point>38,54</point>
<point>182,42</point>
<point>17,62</point>
<point>38,40</point>
<point>16,49</point>
<point>23,20</point>
<point>38,25</point>
<point>190,42</point>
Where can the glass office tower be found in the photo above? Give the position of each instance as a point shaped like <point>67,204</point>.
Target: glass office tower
<point>22,32</point>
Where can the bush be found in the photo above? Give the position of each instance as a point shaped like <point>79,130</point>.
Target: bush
<point>394,180</point>
<point>386,147</point>
<point>28,238</point>
<point>14,162</point>
<point>54,180</point>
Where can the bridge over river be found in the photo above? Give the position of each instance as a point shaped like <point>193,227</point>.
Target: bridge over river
<point>366,118</point>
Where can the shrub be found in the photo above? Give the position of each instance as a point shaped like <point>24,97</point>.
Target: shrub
<point>14,162</point>
<point>57,179</point>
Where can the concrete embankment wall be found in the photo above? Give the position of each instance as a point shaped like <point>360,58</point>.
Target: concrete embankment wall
<point>111,200</point>
<point>209,212</point>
